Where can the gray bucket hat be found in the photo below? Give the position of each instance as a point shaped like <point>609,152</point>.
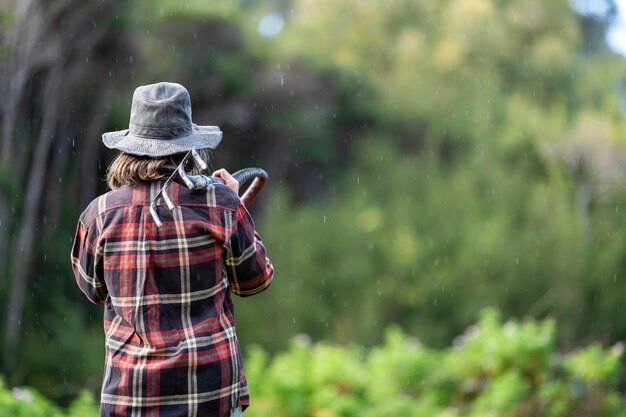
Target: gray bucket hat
<point>160,124</point>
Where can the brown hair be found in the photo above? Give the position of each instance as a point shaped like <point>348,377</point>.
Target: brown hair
<point>126,169</point>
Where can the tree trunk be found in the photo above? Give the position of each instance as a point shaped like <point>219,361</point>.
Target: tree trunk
<point>27,236</point>
<point>46,103</point>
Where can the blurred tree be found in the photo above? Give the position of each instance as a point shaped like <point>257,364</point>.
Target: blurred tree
<point>595,18</point>
<point>488,98</point>
<point>60,61</point>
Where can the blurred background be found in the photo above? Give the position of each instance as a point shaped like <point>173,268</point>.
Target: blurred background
<point>428,160</point>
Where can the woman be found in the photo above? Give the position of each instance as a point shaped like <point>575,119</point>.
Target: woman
<point>171,347</point>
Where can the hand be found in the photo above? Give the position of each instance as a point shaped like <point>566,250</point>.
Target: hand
<point>230,182</point>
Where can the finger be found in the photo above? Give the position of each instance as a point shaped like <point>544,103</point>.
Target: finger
<point>229,180</point>
<point>225,175</point>
<point>219,173</point>
<point>222,173</point>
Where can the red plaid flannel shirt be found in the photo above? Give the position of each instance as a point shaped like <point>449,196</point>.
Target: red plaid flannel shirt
<point>171,347</point>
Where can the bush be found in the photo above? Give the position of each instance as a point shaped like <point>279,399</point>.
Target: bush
<point>26,402</point>
<point>495,369</point>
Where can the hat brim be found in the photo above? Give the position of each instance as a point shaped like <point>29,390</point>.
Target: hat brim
<point>203,137</point>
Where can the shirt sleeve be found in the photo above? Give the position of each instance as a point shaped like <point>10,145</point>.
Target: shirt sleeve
<point>250,271</point>
<point>87,265</point>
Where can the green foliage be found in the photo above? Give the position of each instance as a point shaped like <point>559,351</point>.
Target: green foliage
<point>448,65</point>
<point>495,369</point>
<point>425,245</point>
<point>83,406</point>
<point>26,402</point>
<point>509,369</point>
<point>488,176</point>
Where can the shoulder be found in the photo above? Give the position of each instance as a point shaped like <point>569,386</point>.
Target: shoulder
<point>226,198</point>
<point>105,202</point>
<point>216,195</point>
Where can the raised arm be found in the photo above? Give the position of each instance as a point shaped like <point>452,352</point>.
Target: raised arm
<point>250,271</point>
